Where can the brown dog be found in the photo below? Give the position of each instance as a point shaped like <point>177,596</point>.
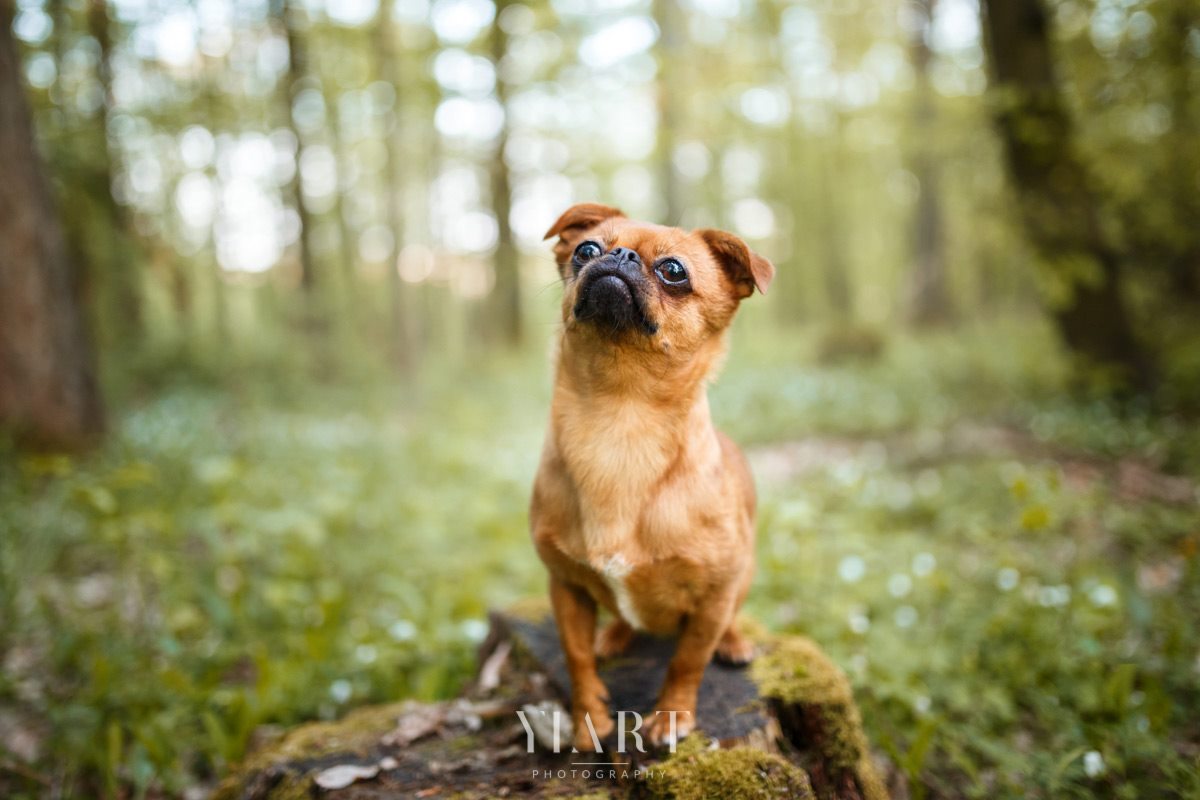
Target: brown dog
<point>639,504</point>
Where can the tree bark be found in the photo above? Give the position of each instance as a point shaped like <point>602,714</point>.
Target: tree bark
<point>506,294</point>
<point>122,260</point>
<point>1059,207</point>
<point>400,339</point>
<point>48,390</point>
<point>347,244</point>
<point>1182,141</point>
<point>181,284</point>
<point>216,279</point>
<point>297,69</point>
<point>836,266</point>
<point>929,302</point>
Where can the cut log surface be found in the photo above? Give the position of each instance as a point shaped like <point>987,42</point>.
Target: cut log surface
<point>784,727</point>
<point>729,707</point>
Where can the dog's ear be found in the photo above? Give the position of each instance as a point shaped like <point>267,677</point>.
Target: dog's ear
<point>746,268</point>
<point>582,215</point>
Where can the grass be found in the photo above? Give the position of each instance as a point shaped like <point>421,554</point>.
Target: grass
<point>1016,613</point>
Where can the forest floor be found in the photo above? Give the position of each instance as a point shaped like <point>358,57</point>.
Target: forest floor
<point>1009,576</point>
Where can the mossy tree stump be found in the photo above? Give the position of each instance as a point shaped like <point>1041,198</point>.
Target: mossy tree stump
<point>787,726</point>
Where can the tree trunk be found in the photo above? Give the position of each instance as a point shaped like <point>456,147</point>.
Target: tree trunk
<point>1058,205</point>
<point>347,244</point>
<point>48,390</point>
<point>216,278</point>
<point>786,727</point>
<point>928,299</point>
<point>1177,29</point>
<point>297,69</point>
<point>506,295</point>
<point>667,15</point>
<point>400,338</point>
<point>122,260</point>
<point>181,296</point>
<point>836,265</point>
<point>181,284</point>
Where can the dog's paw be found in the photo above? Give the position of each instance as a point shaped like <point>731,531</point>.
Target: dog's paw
<point>734,649</point>
<point>666,729</point>
<point>601,724</point>
<point>613,638</point>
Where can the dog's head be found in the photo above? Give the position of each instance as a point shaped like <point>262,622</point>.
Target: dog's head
<point>649,287</point>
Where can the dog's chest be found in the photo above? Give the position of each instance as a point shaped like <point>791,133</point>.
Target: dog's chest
<point>639,563</point>
<point>654,594</point>
<point>640,492</point>
<point>615,459</point>
<point>615,572</point>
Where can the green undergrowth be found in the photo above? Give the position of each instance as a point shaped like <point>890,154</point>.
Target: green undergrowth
<point>1015,619</point>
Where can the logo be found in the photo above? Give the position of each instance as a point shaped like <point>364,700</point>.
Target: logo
<point>549,725</point>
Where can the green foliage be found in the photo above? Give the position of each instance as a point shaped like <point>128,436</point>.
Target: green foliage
<point>1014,610</point>
<point>224,565</point>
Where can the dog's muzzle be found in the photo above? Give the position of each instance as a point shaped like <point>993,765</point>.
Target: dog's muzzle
<point>612,294</point>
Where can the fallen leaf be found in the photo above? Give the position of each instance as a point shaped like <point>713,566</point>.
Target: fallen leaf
<point>415,724</point>
<point>462,712</point>
<point>489,673</point>
<point>343,775</point>
<point>542,717</point>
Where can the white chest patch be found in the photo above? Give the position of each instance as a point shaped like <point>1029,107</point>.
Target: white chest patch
<point>615,569</point>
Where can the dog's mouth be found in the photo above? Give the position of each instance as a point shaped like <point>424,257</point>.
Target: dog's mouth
<point>613,301</point>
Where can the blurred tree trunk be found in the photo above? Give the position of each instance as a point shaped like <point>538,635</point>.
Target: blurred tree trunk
<point>347,248</point>
<point>668,17</point>
<point>284,12</point>
<point>929,302</point>
<point>177,270</point>
<point>506,295</point>
<point>48,389</point>
<point>834,180</point>
<point>432,149</point>
<point>122,258</point>
<point>220,299</point>
<point>63,153</point>
<point>833,184</point>
<point>796,283</point>
<point>1058,206</point>
<point>181,294</point>
<point>400,341</point>
<point>1183,143</point>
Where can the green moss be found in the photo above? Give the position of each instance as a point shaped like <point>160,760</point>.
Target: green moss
<point>696,773</point>
<point>292,787</point>
<point>357,732</point>
<point>795,671</point>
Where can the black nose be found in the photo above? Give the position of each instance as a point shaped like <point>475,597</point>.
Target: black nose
<point>624,254</point>
<point>611,293</point>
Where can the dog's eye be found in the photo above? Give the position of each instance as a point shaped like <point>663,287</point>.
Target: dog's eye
<point>671,272</point>
<point>587,251</point>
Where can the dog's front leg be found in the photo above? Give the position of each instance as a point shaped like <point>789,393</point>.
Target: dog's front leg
<point>575,613</point>
<point>675,712</point>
